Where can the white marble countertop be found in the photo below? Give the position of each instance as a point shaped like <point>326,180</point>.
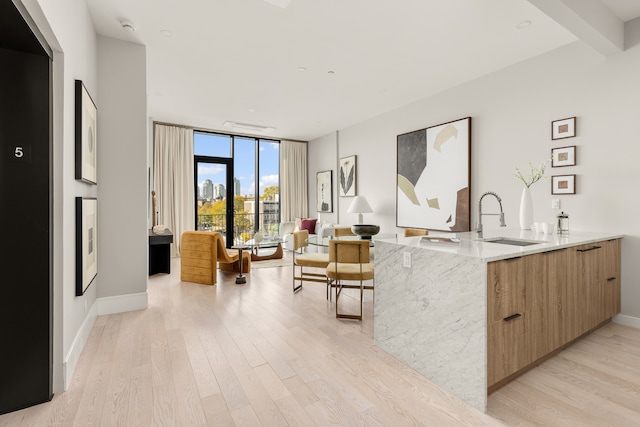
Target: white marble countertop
<point>471,245</point>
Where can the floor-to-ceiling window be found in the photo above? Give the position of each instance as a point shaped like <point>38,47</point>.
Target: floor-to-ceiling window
<point>236,185</point>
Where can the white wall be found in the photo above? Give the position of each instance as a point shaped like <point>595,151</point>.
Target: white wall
<point>322,157</point>
<point>122,176</point>
<point>512,112</point>
<point>119,91</point>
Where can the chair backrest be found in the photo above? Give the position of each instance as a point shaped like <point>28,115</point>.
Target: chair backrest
<point>349,251</point>
<point>343,231</point>
<point>286,228</point>
<point>300,239</point>
<point>415,232</point>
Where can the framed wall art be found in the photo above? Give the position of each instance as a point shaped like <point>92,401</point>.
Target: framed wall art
<point>563,156</point>
<point>86,243</point>
<point>324,191</point>
<point>86,116</point>
<point>347,176</point>
<point>434,177</point>
<point>563,184</point>
<point>565,128</point>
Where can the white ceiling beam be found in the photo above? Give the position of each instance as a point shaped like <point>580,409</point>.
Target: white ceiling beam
<point>589,20</point>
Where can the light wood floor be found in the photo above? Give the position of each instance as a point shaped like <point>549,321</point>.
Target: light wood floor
<point>256,354</point>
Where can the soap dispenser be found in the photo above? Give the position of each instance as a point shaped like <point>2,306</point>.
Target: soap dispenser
<point>563,223</point>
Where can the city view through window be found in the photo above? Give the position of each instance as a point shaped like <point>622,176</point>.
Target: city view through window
<point>254,186</point>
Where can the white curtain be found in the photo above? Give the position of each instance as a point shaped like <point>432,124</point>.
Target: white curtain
<point>173,179</point>
<point>293,180</point>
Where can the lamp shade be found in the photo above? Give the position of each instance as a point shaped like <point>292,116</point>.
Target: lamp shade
<point>360,205</point>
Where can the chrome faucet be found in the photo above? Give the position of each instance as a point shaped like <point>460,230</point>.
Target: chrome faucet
<point>501,214</point>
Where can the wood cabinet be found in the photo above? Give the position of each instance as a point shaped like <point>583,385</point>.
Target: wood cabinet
<point>538,303</point>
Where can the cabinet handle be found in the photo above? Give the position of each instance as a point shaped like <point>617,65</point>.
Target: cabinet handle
<point>512,259</point>
<point>611,279</point>
<point>554,251</point>
<point>589,249</point>
<point>512,317</point>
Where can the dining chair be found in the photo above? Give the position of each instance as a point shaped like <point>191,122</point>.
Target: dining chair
<point>408,232</point>
<point>349,261</point>
<point>303,260</point>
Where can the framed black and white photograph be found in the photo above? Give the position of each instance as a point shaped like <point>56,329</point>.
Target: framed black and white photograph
<point>86,243</point>
<point>564,128</point>
<point>563,156</point>
<point>86,135</point>
<point>347,176</point>
<point>434,177</point>
<point>324,191</point>
<point>563,184</point>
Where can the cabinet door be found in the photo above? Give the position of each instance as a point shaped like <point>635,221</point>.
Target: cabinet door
<point>561,312</point>
<point>506,289</point>
<point>585,289</point>
<point>611,279</point>
<point>537,268</point>
<point>507,347</point>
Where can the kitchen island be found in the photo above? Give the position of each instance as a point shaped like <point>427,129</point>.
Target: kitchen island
<point>433,314</point>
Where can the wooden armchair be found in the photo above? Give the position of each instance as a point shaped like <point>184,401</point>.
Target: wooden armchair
<point>200,254</point>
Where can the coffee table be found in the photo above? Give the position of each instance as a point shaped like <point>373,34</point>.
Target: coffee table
<point>268,242</point>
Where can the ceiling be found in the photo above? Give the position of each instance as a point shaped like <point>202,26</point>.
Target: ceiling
<point>314,67</point>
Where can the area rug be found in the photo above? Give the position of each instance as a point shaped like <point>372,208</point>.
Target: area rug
<point>285,261</point>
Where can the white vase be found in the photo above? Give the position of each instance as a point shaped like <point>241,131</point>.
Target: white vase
<point>258,237</point>
<point>526,209</point>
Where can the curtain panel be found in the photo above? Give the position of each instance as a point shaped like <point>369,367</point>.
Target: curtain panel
<point>293,180</point>
<point>173,178</point>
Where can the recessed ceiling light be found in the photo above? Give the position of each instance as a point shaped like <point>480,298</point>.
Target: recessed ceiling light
<point>523,24</point>
<point>302,69</point>
<point>252,110</point>
<point>166,33</point>
<point>248,127</point>
<point>128,26</point>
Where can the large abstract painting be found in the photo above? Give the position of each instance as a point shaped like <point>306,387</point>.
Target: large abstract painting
<point>434,177</point>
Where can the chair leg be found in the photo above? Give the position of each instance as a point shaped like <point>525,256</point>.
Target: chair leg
<point>296,288</point>
<point>348,316</point>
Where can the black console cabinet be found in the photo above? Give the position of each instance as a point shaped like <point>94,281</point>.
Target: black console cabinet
<point>160,252</point>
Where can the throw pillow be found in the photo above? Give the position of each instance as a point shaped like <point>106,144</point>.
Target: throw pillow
<point>309,225</point>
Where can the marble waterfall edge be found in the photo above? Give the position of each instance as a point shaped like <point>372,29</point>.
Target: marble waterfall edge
<point>433,316</point>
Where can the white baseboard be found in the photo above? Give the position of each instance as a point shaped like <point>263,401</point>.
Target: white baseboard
<point>122,303</point>
<point>71,360</point>
<point>101,307</point>
<point>623,319</point>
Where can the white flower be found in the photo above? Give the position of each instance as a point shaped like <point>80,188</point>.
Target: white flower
<point>535,173</point>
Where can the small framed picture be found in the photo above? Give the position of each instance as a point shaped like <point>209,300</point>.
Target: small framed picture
<point>563,184</point>
<point>563,156</point>
<point>324,191</point>
<point>86,135</point>
<point>86,243</point>
<point>565,128</point>
<point>347,176</point>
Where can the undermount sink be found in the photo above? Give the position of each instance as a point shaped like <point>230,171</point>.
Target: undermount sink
<point>511,241</point>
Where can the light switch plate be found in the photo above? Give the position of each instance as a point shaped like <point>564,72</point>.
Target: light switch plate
<point>406,261</point>
<point>555,203</point>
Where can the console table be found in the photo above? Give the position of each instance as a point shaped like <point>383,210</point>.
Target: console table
<point>160,252</point>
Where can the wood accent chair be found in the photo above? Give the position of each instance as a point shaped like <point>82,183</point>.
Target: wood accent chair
<point>303,259</point>
<point>200,254</point>
<point>349,260</point>
<point>343,231</point>
<point>408,232</point>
